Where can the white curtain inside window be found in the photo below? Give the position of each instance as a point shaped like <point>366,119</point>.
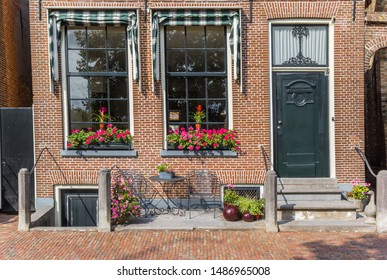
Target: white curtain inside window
<point>286,45</point>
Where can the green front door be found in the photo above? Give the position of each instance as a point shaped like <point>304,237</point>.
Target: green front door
<point>301,124</point>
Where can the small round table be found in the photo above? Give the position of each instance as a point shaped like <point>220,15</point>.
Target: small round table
<point>167,184</point>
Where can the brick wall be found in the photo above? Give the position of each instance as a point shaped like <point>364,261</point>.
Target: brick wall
<point>251,108</point>
<point>15,59</point>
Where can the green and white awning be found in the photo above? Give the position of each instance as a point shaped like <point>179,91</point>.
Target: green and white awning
<point>60,18</point>
<point>201,18</point>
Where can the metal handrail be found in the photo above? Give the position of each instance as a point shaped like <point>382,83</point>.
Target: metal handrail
<point>364,158</point>
<point>265,156</point>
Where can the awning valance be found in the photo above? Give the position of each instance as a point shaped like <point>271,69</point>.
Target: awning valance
<point>60,18</point>
<point>201,18</point>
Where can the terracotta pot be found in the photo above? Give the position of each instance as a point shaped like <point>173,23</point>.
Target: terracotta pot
<point>198,126</point>
<point>247,217</point>
<point>230,213</point>
<point>101,126</point>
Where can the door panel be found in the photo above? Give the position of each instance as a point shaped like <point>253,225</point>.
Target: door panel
<point>17,151</point>
<point>301,130</point>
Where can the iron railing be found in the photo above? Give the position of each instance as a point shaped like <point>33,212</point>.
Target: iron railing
<point>364,158</point>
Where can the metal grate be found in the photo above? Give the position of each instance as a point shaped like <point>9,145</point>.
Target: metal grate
<point>252,191</point>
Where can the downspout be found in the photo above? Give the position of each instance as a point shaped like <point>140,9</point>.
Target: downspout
<point>40,10</point>
<point>354,11</point>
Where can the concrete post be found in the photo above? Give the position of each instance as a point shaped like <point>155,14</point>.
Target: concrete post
<point>271,201</point>
<point>381,201</point>
<point>24,200</point>
<point>104,201</point>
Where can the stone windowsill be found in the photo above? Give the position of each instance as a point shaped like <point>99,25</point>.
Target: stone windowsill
<point>98,153</point>
<point>207,153</point>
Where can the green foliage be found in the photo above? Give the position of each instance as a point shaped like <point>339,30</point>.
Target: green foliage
<point>253,206</point>
<point>230,197</point>
<point>360,189</point>
<point>198,116</point>
<point>163,167</point>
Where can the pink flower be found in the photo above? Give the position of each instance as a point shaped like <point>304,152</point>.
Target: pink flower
<point>180,147</point>
<point>215,145</point>
<point>190,148</point>
<point>190,128</point>
<point>109,125</point>
<point>197,147</point>
<point>89,128</point>
<point>103,110</point>
<point>69,144</point>
<point>101,139</point>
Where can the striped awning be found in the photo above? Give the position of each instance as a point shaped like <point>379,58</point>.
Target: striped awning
<point>60,18</point>
<point>201,18</point>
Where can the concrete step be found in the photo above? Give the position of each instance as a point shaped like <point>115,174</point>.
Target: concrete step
<point>316,210</point>
<point>327,226</point>
<point>309,194</point>
<point>314,183</point>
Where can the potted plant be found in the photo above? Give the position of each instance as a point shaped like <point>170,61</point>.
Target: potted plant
<point>165,171</point>
<point>230,200</point>
<point>198,116</point>
<point>244,207</point>
<point>359,194</point>
<point>256,208</point>
<point>101,117</point>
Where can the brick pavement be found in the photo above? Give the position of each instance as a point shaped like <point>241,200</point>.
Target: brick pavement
<point>185,245</point>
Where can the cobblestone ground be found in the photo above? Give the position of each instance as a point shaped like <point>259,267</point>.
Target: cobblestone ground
<point>186,245</point>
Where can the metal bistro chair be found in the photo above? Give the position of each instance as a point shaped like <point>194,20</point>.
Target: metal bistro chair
<point>202,186</point>
<point>144,190</point>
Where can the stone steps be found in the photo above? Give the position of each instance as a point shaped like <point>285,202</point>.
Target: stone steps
<point>316,210</point>
<point>312,199</point>
<point>326,226</point>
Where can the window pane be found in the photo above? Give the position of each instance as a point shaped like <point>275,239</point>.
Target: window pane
<point>78,88</point>
<point>119,111</point>
<point>96,38</point>
<point>118,87</point>
<point>77,60</point>
<point>216,61</point>
<point>216,87</point>
<point>76,38</point>
<point>117,61</point>
<point>176,61</point>
<point>215,37</point>
<point>197,87</point>
<point>116,37</point>
<point>98,87</point>
<point>175,37</point>
<point>195,61</point>
<point>180,107</point>
<point>195,37</point>
<point>97,61</point>
<point>80,126</point>
<point>79,111</point>
<point>176,87</point>
<point>216,111</point>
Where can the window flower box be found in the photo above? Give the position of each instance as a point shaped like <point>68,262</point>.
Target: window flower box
<point>203,139</point>
<point>110,138</point>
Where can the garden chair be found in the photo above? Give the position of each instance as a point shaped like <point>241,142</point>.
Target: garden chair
<point>202,189</point>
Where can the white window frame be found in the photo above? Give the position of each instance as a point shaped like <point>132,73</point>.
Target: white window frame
<point>65,90</point>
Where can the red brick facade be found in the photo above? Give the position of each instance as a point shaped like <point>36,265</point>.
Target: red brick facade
<point>251,107</point>
<point>15,59</point>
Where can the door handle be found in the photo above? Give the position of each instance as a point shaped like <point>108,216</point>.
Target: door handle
<point>279,124</point>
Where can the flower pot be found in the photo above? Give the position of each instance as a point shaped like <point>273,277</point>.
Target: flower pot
<point>247,217</point>
<point>230,213</point>
<point>166,175</point>
<point>257,217</point>
<point>198,126</point>
<point>359,203</point>
<point>101,126</point>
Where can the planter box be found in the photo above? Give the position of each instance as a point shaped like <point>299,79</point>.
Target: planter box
<point>360,204</point>
<point>110,146</point>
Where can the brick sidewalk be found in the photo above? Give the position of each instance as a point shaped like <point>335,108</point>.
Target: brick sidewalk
<point>186,245</point>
